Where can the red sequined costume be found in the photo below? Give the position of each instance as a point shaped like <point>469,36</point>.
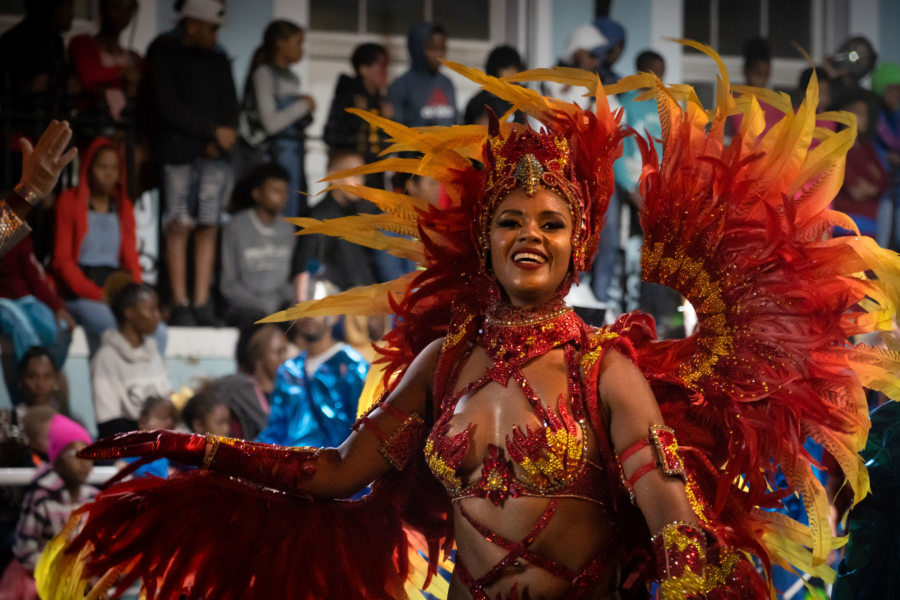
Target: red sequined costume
<point>737,229</point>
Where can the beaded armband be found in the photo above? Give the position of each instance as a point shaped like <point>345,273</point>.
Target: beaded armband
<point>679,549</point>
<point>667,457</point>
<point>398,446</point>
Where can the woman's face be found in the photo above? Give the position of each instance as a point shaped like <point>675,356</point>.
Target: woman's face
<point>291,48</point>
<point>531,246</point>
<point>38,381</point>
<point>144,316</point>
<point>104,171</point>
<point>275,354</point>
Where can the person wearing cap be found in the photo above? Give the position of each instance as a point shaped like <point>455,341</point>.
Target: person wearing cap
<point>57,489</point>
<point>886,85</point>
<point>193,109</point>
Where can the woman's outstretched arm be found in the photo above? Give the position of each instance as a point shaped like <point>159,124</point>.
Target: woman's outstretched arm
<point>319,472</point>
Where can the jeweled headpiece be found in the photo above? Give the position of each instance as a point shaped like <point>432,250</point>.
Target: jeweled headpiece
<point>530,160</point>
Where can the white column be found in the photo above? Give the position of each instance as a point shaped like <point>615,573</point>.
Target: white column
<point>865,20</point>
<point>143,29</point>
<point>666,21</point>
<point>291,10</point>
<point>540,34</point>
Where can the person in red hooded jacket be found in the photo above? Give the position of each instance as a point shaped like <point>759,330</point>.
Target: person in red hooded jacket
<point>95,245</point>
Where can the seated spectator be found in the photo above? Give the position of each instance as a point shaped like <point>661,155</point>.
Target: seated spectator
<point>886,85</point>
<point>40,383</point>
<point>128,368</point>
<point>365,91</point>
<point>338,261</point>
<point>248,393</point>
<point>108,73</point>
<point>207,413</point>
<point>865,179</point>
<point>158,412</point>
<point>57,489</point>
<point>31,312</point>
<point>257,246</point>
<point>95,248</point>
<point>316,394</point>
<point>277,110</point>
<point>503,61</point>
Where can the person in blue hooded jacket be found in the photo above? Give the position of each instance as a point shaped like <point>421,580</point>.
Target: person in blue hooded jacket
<point>423,96</point>
<point>316,394</point>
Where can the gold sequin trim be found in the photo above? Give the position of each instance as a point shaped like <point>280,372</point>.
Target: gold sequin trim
<point>212,446</point>
<point>456,335</point>
<point>442,469</point>
<point>597,347</point>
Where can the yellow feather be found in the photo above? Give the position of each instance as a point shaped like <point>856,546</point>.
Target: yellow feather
<point>400,205</point>
<point>368,300</point>
<point>353,230</point>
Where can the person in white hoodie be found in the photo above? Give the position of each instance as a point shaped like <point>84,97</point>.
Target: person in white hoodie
<point>128,366</point>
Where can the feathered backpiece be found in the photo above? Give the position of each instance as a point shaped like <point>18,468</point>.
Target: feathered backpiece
<point>741,229</point>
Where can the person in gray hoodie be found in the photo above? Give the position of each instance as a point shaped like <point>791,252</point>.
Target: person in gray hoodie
<point>128,366</point>
<point>423,96</point>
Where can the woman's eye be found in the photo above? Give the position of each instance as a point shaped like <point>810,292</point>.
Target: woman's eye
<point>507,223</point>
<point>553,225</point>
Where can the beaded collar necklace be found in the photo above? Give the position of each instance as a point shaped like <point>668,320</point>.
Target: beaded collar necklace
<point>515,335</point>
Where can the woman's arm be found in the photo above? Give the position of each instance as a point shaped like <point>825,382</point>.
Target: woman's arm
<point>633,410</point>
<point>650,464</point>
<point>326,473</point>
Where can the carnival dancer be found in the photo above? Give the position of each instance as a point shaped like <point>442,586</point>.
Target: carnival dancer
<point>544,447</point>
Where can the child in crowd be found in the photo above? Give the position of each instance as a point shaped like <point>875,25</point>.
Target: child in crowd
<point>36,426</point>
<point>206,412</point>
<point>95,246</point>
<point>865,179</point>
<point>57,489</point>
<point>257,246</point>
<point>248,393</point>
<point>157,413</point>
<point>277,111</point>
<point>365,91</point>
<point>338,261</point>
<point>128,367</point>
<point>503,61</point>
<point>424,96</point>
<point>40,383</point>
<point>192,110</point>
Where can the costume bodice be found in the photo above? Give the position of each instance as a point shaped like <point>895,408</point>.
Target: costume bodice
<point>550,460</point>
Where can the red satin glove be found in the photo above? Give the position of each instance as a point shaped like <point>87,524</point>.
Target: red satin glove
<point>187,449</point>
<point>279,467</point>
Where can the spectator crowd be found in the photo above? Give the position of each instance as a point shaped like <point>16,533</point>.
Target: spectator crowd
<point>229,167</point>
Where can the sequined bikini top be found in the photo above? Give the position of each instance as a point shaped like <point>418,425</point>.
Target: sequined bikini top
<point>549,461</point>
